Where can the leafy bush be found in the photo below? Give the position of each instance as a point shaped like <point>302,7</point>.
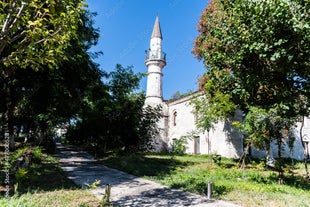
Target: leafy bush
<point>260,178</point>
<point>220,190</point>
<point>179,145</point>
<point>21,174</point>
<point>21,162</point>
<point>216,158</point>
<point>27,155</point>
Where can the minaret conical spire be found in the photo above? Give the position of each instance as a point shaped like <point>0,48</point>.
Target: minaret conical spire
<point>156,29</point>
<point>155,61</point>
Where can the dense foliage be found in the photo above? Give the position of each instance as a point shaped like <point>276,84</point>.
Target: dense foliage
<point>257,56</point>
<point>36,38</point>
<point>36,33</point>
<point>49,79</point>
<point>113,115</point>
<point>35,101</point>
<point>259,61</point>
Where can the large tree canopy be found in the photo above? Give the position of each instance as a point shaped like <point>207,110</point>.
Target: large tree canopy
<point>50,89</point>
<point>48,78</point>
<point>261,47</point>
<point>257,55</point>
<point>35,33</point>
<point>113,115</point>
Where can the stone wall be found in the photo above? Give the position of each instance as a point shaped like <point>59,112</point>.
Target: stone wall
<point>180,121</point>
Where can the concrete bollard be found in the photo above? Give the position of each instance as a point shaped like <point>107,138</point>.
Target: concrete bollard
<point>209,190</point>
<point>106,196</point>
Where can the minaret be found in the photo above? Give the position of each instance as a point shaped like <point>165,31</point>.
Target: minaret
<point>155,61</point>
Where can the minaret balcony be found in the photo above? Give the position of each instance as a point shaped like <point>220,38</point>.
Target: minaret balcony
<point>155,55</point>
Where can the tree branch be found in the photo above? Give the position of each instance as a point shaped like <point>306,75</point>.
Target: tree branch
<point>51,35</point>
<point>9,24</point>
<point>16,37</point>
<point>17,15</point>
<point>7,19</point>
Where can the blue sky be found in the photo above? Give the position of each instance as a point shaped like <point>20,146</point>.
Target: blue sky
<point>125,31</point>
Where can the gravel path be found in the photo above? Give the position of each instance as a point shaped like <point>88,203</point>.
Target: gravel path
<point>126,189</point>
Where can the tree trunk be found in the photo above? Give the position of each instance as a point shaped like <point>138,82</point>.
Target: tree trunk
<point>304,147</point>
<point>269,159</point>
<point>8,126</point>
<point>8,129</point>
<point>279,147</point>
<point>244,155</point>
<point>209,146</point>
<point>279,165</point>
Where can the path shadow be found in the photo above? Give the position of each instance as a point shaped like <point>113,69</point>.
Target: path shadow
<point>161,197</point>
<point>83,169</point>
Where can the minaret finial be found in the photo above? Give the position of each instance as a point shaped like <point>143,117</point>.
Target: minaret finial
<point>156,29</point>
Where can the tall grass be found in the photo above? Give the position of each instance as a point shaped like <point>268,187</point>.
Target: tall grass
<point>254,186</point>
<point>42,183</point>
<point>57,198</point>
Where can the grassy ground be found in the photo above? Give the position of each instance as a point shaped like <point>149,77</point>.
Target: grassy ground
<point>55,198</point>
<point>253,186</point>
<point>44,184</point>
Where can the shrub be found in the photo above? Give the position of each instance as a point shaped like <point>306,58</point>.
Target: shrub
<point>179,145</point>
<point>220,190</point>
<point>217,159</point>
<point>26,156</point>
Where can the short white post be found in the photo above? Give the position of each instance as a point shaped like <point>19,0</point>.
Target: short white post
<point>209,190</point>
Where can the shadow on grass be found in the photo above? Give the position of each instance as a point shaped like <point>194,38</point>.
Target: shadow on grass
<point>165,165</point>
<point>45,175</point>
<point>298,182</point>
<point>290,177</point>
<point>145,165</point>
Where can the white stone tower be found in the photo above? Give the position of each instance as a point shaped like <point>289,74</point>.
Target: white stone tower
<point>155,61</point>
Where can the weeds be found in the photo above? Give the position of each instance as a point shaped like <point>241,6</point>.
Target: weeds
<point>93,185</point>
<point>192,173</point>
<point>39,181</point>
<point>105,202</point>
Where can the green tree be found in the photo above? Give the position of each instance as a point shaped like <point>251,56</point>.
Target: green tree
<point>137,124</point>
<point>35,33</point>
<point>176,95</point>
<point>261,127</point>
<point>258,53</point>
<point>211,107</point>
<point>262,55</point>
<point>40,99</point>
<point>114,117</point>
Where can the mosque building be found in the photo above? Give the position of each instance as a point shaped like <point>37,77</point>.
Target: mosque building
<point>179,118</point>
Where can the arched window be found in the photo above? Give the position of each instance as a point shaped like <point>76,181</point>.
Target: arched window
<point>175,118</point>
